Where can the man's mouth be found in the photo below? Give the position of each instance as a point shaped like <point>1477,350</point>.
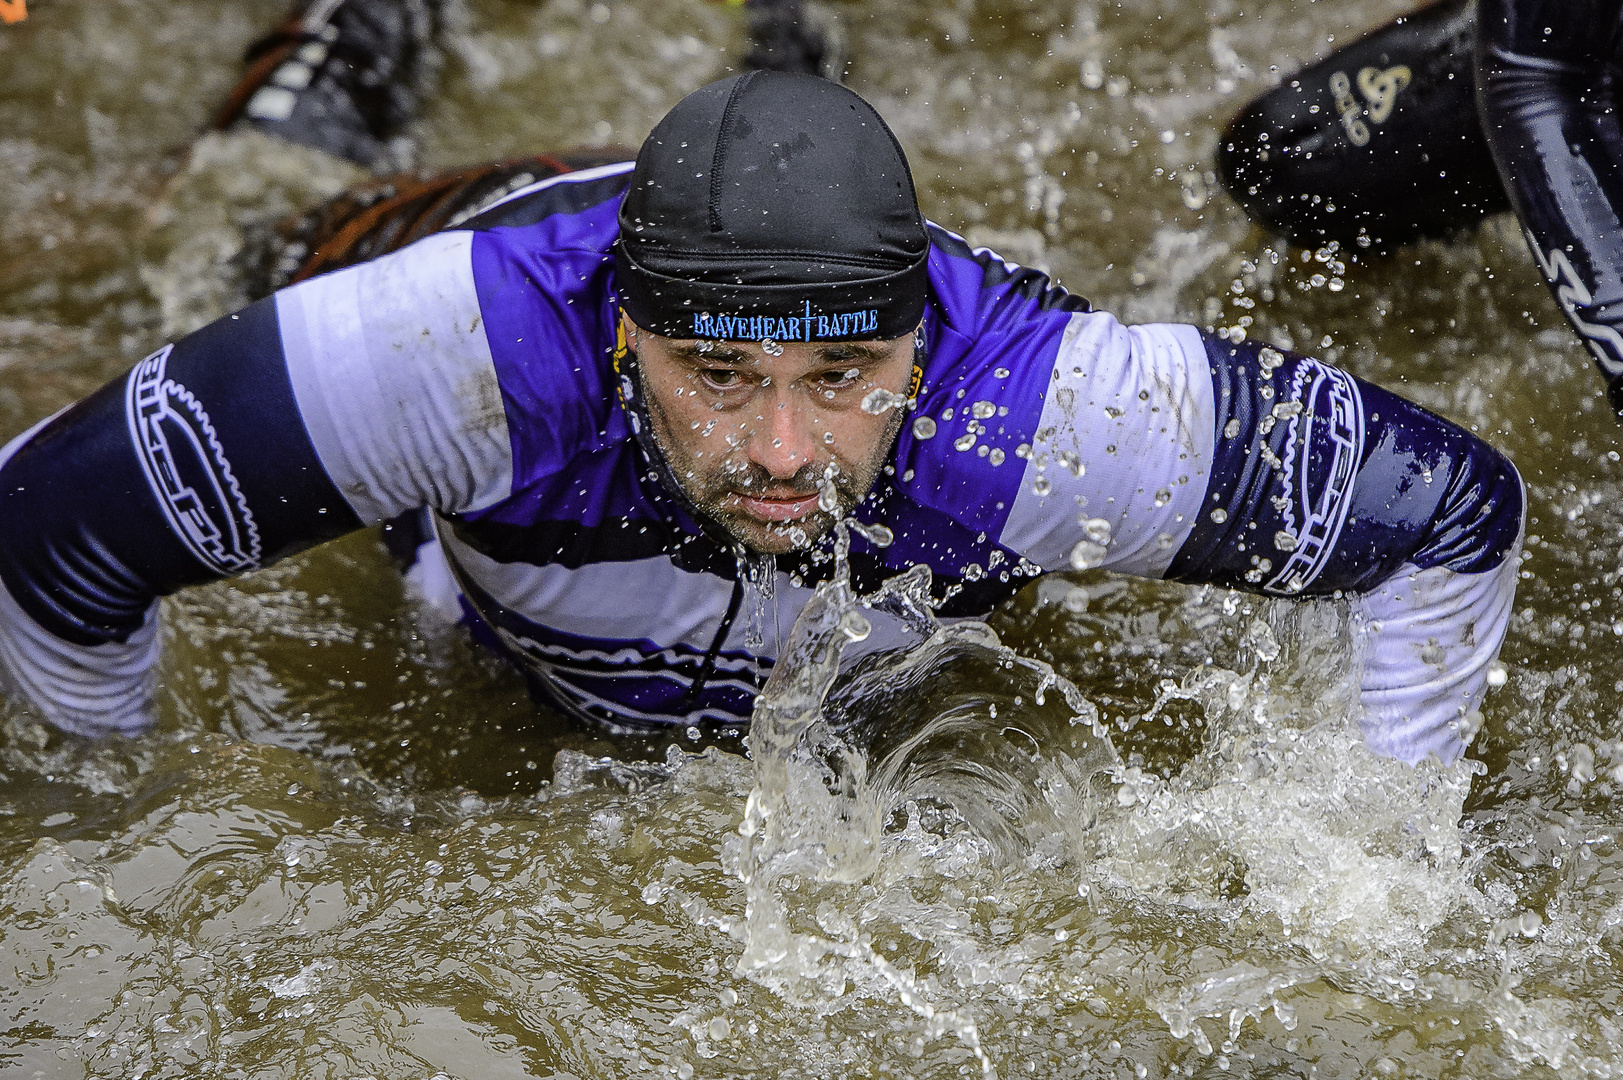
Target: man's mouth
<point>775,507</point>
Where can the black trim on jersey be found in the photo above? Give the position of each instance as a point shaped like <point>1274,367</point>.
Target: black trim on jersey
<point>1359,481</point>
<point>563,197</point>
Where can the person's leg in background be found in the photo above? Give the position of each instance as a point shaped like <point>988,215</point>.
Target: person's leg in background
<point>346,77</point>
<point>1375,145</point>
<point>343,76</point>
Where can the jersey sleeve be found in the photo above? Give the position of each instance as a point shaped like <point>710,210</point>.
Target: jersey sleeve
<point>1546,94</point>
<point>1162,451</point>
<point>336,403</point>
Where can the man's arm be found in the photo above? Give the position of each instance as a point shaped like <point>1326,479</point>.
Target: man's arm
<point>336,403</point>
<point>1547,98</point>
<point>1184,456</point>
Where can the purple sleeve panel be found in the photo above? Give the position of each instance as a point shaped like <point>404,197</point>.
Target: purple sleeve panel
<point>545,292</point>
<point>993,331</point>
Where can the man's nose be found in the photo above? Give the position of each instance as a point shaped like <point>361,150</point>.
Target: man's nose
<point>782,442</point>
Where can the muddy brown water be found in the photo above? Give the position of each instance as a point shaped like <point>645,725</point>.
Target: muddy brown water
<point>353,848</point>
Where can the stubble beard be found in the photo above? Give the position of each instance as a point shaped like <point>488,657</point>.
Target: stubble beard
<point>708,485</point>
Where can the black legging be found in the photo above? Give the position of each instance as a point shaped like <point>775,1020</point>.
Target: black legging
<point>1448,114</point>
<point>1547,94</point>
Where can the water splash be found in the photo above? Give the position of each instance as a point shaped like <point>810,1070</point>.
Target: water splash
<point>848,771</point>
<point>759,571</point>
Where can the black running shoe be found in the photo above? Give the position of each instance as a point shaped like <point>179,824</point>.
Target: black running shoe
<point>343,76</point>
<point>1378,143</point>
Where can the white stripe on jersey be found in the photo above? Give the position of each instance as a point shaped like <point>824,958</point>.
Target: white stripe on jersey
<point>1132,407</point>
<point>579,176</point>
<point>649,599</point>
<point>393,377</point>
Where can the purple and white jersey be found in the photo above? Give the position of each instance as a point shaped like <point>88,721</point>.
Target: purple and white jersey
<point>471,374</point>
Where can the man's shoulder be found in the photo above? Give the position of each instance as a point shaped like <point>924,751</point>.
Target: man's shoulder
<point>577,206</point>
<point>973,287</point>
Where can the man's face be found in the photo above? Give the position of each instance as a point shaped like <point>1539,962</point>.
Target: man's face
<point>750,434</point>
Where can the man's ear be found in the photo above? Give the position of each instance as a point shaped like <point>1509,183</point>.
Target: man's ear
<point>625,332</point>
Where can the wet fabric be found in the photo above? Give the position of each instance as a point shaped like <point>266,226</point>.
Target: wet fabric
<point>772,205</point>
<point>1376,144</point>
<point>472,373</point>
<point>1547,74</point>
<point>387,214</point>
<point>1420,108</point>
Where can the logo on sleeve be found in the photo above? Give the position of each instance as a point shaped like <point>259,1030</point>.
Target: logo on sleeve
<point>187,469</point>
<point>1323,444</point>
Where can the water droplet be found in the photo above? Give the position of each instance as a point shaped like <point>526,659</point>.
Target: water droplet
<point>983,410</point>
<point>1163,497</point>
<point>1284,541</point>
<point>973,572</point>
<point>1041,486</point>
<point>828,438</point>
<point>879,536</point>
<point>1000,373</point>
<point>771,348</point>
<point>1269,358</point>
<point>923,428</point>
<point>1497,674</point>
<point>964,442</point>
<point>1023,451</point>
<point>1097,529</point>
<point>1087,554</point>
<point>995,457</point>
<point>1073,461</point>
<point>1220,515</point>
<point>880,400</point>
<point>720,1028</point>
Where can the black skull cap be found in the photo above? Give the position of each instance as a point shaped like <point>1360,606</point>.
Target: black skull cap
<point>773,206</point>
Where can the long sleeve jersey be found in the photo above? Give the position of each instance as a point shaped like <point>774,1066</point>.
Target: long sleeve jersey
<point>472,373</point>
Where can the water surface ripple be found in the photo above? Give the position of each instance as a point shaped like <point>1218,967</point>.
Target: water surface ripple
<point>1126,831</point>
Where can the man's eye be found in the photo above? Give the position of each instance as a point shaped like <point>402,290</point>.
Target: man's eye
<point>721,378</point>
<point>836,379</point>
